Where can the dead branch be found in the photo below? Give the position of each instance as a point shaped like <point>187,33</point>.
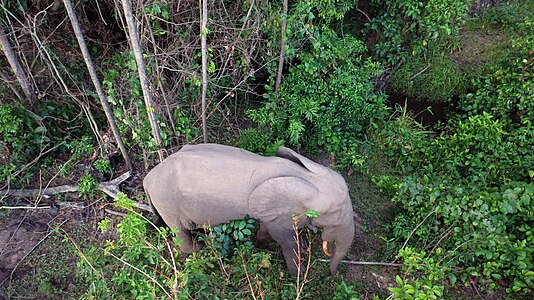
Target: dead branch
<point>13,88</point>
<point>111,188</point>
<point>364,263</point>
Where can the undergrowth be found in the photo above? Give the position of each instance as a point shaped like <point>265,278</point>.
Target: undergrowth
<point>145,263</point>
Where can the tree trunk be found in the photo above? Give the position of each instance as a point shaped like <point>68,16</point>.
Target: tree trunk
<point>203,34</point>
<point>145,85</point>
<point>96,82</point>
<point>282,49</point>
<point>22,77</point>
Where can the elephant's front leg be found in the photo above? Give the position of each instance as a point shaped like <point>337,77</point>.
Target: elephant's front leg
<point>285,237</point>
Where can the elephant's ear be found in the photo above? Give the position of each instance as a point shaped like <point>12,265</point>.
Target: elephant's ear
<point>277,199</point>
<point>293,156</point>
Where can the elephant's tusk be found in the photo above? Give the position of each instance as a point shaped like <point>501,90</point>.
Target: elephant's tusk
<point>325,249</point>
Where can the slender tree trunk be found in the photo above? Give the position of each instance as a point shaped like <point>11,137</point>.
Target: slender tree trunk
<point>282,49</point>
<point>22,77</point>
<point>203,35</point>
<point>96,82</point>
<point>145,85</point>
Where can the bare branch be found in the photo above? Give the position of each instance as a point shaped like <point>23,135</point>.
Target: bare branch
<point>364,263</point>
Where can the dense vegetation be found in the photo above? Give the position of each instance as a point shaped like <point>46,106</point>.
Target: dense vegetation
<point>462,189</point>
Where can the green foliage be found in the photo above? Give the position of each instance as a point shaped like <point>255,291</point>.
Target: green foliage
<point>232,235</point>
<point>414,287</point>
<point>303,18</point>
<point>312,214</point>
<point>103,166</point>
<point>81,148</point>
<point>258,140</point>
<point>142,264</point>
<point>87,186</point>
<point>345,291</point>
<point>22,134</point>
<point>468,192</point>
<point>434,78</point>
<point>507,90</point>
<point>410,27</point>
<point>510,16</point>
<point>326,100</point>
<point>129,108</point>
<point>19,133</point>
<point>53,277</point>
<point>136,265</point>
<point>468,189</point>
<point>158,10</point>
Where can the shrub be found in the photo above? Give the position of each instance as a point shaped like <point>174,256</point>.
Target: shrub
<point>435,78</point>
<point>411,27</point>
<point>507,90</point>
<point>258,140</point>
<point>144,264</point>
<point>468,192</point>
<point>326,100</point>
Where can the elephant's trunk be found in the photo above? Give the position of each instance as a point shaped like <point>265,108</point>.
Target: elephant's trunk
<point>342,247</point>
<point>342,235</point>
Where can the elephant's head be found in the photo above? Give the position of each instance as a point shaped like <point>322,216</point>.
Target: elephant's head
<point>321,189</point>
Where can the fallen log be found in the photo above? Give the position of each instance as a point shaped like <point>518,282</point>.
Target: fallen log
<point>110,188</point>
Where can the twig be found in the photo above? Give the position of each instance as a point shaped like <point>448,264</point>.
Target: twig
<point>365,263</point>
<point>415,229</point>
<point>248,277</point>
<point>363,13</point>
<point>300,284</point>
<point>78,248</point>
<point>31,250</point>
<point>140,271</point>
<point>420,72</point>
<point>115,213</point>
<point>11,86</point>
<point>33,161</point>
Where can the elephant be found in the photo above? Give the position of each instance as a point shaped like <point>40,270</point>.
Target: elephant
<point>209,184</point>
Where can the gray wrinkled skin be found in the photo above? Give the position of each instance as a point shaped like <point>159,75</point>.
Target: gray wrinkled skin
<point>209,184</point>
